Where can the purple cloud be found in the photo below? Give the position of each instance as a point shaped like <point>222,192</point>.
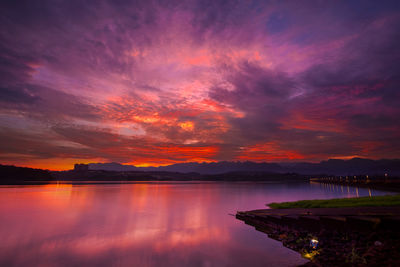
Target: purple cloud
<point>200,80</point>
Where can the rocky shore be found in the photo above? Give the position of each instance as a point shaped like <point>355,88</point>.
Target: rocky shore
<point>346,239</point>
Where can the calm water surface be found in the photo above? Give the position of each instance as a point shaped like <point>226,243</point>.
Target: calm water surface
<point>146,224</point>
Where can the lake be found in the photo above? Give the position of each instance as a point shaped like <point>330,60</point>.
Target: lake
<point>147,224</point>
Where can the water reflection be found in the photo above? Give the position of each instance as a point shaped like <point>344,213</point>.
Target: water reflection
<point>350,191</point>
<point>144,224</point>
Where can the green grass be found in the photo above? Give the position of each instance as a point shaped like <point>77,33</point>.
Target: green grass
<point>379,201</point>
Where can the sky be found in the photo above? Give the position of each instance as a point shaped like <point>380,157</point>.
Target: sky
<point>153,83</point>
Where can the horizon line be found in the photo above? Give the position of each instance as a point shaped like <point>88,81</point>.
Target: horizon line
<point>198,162</point>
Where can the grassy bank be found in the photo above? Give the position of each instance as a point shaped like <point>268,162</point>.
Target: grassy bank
<point>379,201</point>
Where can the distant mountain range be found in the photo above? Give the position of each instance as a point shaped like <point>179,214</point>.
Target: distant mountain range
<point>355,166</point>
<point>217,171</point>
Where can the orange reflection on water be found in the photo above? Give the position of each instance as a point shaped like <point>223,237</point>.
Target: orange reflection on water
<point>140,224</point>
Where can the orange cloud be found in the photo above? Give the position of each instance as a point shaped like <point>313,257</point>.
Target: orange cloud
<point>188,125</point>
<point>267,152</point>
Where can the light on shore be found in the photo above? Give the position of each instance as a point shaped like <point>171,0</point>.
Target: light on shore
<point>314,243</point>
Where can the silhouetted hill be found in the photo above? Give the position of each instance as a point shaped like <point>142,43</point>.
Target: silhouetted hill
<point>13,174</point>
<point>355,166</point>
<point>112,166</point>
<point>223,167</point>
<point>102,175</point>
<point>202,168</point>
<point>217,171</point>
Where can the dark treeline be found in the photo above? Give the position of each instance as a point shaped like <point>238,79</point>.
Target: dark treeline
<point>21,175</point>
<point>102,175</point>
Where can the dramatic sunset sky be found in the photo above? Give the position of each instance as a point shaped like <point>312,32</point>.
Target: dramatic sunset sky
<point>162,82</point>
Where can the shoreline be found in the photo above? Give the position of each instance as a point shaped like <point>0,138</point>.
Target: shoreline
<point>345,236</point>
<point>236,181</point>
<point>392,185</point>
